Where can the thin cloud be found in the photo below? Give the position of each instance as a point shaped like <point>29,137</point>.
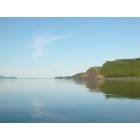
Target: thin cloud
<point>39,43</point>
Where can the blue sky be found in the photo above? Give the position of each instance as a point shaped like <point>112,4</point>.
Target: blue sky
<point>49,47</point>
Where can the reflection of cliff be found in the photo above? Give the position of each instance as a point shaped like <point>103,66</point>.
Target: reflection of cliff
<point>114,88</point>
<point>93,85</point>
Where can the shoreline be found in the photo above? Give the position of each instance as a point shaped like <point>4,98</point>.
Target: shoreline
<point>105,78</point>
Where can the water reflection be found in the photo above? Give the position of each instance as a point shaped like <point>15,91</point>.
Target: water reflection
<point>114,88</point>
<point>67,100</point>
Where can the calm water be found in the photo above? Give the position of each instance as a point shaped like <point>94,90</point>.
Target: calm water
<point>50,100</point>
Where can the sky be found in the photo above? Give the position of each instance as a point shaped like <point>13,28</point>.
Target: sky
<point>49,47</point>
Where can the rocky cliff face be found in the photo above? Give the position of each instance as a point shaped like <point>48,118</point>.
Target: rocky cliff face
<point>91,73</point>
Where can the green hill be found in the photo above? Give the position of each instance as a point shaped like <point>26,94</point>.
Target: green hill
<point>116,68</point>
<point>121,68</point>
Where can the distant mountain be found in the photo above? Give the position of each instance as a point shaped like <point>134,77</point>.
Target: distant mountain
<point>117,68</point>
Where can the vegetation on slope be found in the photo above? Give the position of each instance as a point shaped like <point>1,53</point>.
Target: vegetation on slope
<point>121,68</point>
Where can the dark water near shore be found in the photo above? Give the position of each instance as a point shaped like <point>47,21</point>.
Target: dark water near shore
<point>54,100</point>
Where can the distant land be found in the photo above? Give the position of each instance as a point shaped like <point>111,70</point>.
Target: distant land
<point>111,69</point>
<point>12,77</point>
<point>6,77</point>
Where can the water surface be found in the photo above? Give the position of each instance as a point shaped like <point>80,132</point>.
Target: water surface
<point>59,100</point>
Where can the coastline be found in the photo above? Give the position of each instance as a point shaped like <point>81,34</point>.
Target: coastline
<point>104,78</point>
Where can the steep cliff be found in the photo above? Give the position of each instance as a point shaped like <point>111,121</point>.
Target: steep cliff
<point>93,72</point>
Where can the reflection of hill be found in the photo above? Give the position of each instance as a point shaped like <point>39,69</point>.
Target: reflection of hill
<point>126,89</point>
<point>114,88</point>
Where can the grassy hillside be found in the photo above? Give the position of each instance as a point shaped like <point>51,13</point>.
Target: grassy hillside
<point>121,68</point>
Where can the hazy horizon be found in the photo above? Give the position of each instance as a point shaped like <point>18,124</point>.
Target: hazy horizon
<point>50,47</point>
